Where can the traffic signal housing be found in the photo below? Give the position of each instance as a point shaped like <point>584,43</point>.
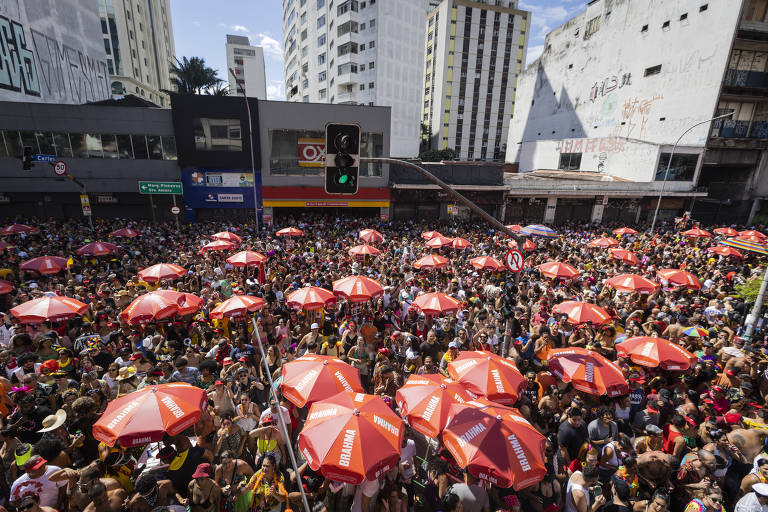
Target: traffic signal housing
<point>26,160</point>
<point>342,158</point>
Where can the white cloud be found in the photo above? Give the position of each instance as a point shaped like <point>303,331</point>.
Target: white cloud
<point>222,25</point>
<point>271,46</point>
<point>196,23</point>
<point>240,28</point>
<point>533,53</point>
<point>276,90</point>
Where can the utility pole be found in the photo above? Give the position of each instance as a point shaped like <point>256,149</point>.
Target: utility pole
<point>250,144</point>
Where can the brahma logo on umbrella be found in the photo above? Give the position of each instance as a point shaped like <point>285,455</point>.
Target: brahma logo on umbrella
<point>497,380</point>
<point>130,406</point>
<point>517,448</point>
<point>474,431</point>
<point>431,407</point>
<point>340,377</point>
<point>172,406</point>
<point>378,420</point>
<point>346,447</point>
<point>306,379</point>
<point>465,365</point>
<point>323,413</point>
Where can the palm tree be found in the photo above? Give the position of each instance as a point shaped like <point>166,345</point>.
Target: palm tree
<point>192,76</point>
<point>218,90</point>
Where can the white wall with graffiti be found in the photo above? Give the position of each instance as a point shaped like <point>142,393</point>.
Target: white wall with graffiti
<point>619,82</point>
<point>51,51</point>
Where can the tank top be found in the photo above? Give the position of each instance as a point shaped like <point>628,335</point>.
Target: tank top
<point>669,440</point>
<point>622,414</point>
<point>569,506</point>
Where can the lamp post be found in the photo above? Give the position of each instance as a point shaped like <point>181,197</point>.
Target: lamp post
<point>250,143</point>
<point>669,163</point>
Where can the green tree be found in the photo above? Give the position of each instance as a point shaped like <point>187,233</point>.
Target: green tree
<point>218,90</point>
<point>749,290</point>
<point>426,133</point>
<point>192,76</point>
<point>437,155</point>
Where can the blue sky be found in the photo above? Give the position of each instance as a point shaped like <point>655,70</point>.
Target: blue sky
<point>200,28</point>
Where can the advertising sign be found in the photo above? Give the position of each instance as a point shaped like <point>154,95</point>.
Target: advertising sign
<point>311,152</point>
<point>220,188</point>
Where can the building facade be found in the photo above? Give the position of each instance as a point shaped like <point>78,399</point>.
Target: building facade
<point>138,40</point>
<point>608,99</point>
<point>359,52</point>
<point>247,62</point>
<point>52,52</point>
<point>474,53</point>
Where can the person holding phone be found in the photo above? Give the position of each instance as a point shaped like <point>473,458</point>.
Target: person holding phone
<point>268,487</point>
<point>581,494</point>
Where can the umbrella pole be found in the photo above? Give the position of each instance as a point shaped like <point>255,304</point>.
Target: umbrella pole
<point>280,419</point>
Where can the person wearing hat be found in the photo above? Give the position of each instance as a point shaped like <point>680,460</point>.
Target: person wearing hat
<point>755,501</point>
<point>54,424</point>
<point>150,493</point>
<point>313,336</point>
<point>36,478</point>
<point>153,377</point>
<point>126,381</point>
<point>204,493</point>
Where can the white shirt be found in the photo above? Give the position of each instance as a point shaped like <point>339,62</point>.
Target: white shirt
<point>749,503</point>
<point>6,333</point>
<point>43,486</point>
<point>286,416</point>
<point>370,488</point>
<point>406,455</point>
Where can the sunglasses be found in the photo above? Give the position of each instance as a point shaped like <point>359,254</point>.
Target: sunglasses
<point>26,507</point>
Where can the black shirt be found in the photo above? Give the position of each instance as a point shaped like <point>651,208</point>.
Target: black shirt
<point>430,349</point>
<point>572,438</point>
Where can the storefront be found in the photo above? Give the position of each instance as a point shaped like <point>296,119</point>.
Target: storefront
<point>281,203</point>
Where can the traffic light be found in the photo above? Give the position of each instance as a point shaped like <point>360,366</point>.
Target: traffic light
<point>342,158</point>
<point>26,161</point>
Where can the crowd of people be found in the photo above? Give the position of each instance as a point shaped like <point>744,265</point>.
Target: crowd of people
<point>689,440</point>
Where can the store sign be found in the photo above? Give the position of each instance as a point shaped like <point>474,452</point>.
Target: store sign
<point>103,199</point>
<point>311,152</point>
<point>230,198</point>
<point>217,188</point>
<point>226,179</point>
<point>326,204</point>
<point>85,204</point>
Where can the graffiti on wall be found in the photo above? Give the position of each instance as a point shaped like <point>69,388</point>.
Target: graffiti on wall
<point>42,67</point>
<point>592,145</point>
<point>634,116</point>
<point>608,85</point>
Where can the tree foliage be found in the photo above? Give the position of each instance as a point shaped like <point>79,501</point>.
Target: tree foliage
<point>749,290</point>
<point>192,76</point>
<point>436,155</point>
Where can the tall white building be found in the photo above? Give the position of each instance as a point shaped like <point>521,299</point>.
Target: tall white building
<point>138,39</point>
<point>247,62</point>
<point>359,52</point>
<point>475,50</point>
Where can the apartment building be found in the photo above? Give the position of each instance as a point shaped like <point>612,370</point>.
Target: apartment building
<point>247,63</point>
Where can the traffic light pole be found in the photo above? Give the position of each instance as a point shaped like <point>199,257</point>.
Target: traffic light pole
<point>84,192</point>
<point>466,202</point>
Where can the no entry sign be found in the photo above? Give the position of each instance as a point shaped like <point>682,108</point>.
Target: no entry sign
<point>514,260</point>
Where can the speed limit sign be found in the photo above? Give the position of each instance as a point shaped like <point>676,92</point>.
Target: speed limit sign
<point>60,168</point>
<point>514,260</point>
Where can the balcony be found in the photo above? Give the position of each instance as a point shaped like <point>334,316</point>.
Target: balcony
<point>740,129</point>
<point>744,78</point>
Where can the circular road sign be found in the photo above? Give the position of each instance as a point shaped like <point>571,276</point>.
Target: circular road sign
<point>175,210</point>
<point>60,168</point>
<point>514,260</point>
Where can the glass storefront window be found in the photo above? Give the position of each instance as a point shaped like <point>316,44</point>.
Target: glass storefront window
<point>13,143</point>
<point>140,147</point>
<point>28,139</point>
<point>45,143</point>
<point>169,147</point>
<point>155,148</point>
<point>61,143</point>
<point>286,145</point>
<point>3,149</point>
<point>682,168</point>
<point>93,145</point>
<point>217,134</point>
<point>109,144</point>
<point>79,149</point>
<point>124,146</point>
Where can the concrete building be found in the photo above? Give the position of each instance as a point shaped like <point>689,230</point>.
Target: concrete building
<point>138,39</point>
<point>474,52</point>
<point>599,112</point>
<point>247,62</point>
<point>51,52</point>
<point>359,52</point>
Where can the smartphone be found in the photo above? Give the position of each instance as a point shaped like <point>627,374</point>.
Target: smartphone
<point>598,489</point>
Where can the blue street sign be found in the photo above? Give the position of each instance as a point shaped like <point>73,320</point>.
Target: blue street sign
<point>44,158</point>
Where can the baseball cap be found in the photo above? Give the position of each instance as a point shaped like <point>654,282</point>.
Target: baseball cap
<point>453,344</point>
<point>760,488</point>
<point>314,326</point>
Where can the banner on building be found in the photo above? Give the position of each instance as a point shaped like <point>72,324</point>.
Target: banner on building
<point>311,152</point>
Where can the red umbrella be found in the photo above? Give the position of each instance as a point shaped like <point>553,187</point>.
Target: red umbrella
<point>496,444</point>
<point>237,305</point>
<point>625,256</point>
<point>588,371</point>
<point>364,250</point>
<point>311,378</point>
<point>652,352</point>
<point>632,283</point>
<point>147,415</point>
<point>370,236</point>
<point>435,303</point>
<point>724,250</point>
<point>430,261</point>
<point>555,269</point>
<point>527,245</point>
<point>188,303</point>
<point>726,231</point>
<point>351,437</point>
<point>439,241</point>
<point>125,232</point>
<point>97,249</point>
<point>486,262</point>
<point>45,264</point>
<point>624,231</point>
<point>290,232</point>
<point>460,243</point>
<point>227,236</point>
<point>515,228</point>
<point>582,312</point>
<point>150,307</point>
<point>5,245</point>
<point>679,277</point>
<point>49,308</point>
<point>752,232</point>
<point>310,298</point>
<point>217,245</point>
<point>15,229</point>
<point>357,288</point>
<point>5,287</point>
<point>424,400</point>
<point>604,242</point>
<point>697,233</point>
<point>749,238</point>
<point>486,374</point>
<point>429,235</point>
<point>160,271</point>
<point>246,259</point>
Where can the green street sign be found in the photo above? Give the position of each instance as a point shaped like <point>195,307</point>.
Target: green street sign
<point>160,187</point>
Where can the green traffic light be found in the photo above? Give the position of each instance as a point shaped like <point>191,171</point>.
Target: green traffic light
<point>343,178</point>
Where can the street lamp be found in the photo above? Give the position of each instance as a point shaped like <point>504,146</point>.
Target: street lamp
<point>669,162</point>
<point>250,143</point>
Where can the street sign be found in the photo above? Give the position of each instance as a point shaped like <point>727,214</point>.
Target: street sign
<point>514,260</point>
<point>175,210</point>
<point>160,187</point>
<point>60,168</point>
<point>44,158</point>
<point>85,204</point>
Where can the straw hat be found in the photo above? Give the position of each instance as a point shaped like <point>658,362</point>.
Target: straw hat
<point>54,421</point>
<point>126,372</point>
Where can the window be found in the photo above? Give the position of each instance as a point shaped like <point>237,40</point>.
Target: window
<point>362,47</point>
<point>370,85</point>
<point>665,25</point>
<point>349,67</point>
<point>362,26</point>
<point>93,145</point>
<point>321,59</point>
<point>372,44</point>
<point>345,28</point>
<point>644,29</point>
<point>320,40</point>
<point>320,4</point>
<point>305,83</point>
<point>756,10</point>
<point>362,67</point>
<point>303,18</point>
<point>370,65</point>
<point>344,7</point>
<point>321,21</point>
<point>124,146</point>
<point>362,87</point>
<point>61,143</point>
<point>362,5</point>
<point>109,144</point>
<point>653,70</point>
<point>304,34</point>
<point>682,168</point>
<point>593,26</point>
<point>570,161</point>
<point>322,94</point>
<point>155,147</point>
<point>372,23</point>
<point>321,76</point>
<point>346,48</point>
<point>684,16</point>
<point>106,47</point>
<point>217,134</point>
<point>304,51</point>
<point>305,99</point>
<point>703,7</point>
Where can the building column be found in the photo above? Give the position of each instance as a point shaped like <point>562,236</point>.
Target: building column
<point>549,212</point>
<point>756,203</point>
<point>597,209</point>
